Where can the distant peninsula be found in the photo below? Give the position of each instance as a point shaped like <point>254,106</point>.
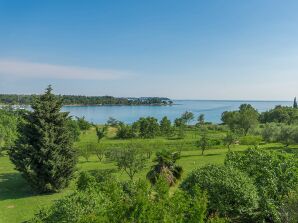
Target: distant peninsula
<point>16,99</point>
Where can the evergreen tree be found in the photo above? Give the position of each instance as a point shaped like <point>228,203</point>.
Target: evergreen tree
<point>295,103</point>
<point>43,152</point>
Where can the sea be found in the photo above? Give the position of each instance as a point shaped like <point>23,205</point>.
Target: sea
<point>212,109</point>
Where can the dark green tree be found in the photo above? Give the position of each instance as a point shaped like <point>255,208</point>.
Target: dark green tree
<point>165,127</point>
<point>201,119</point>
<point>44,153</point>
<point>148,127</point>
<point>295,103</point>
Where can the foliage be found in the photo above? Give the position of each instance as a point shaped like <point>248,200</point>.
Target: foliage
<point>83,124</point>
<point>131,161</point>
<point>148,127</point>
<point>286,135</point>
<point>125,132</point>
<point>204,142</point>
<point>201,119</point>
<point>274,175</point>
<point>113,201</point>
<point>43,153</point>
<point>165,166</point>
<point>230,139</point>
<point>113,122</point>
<point>166,128</point>
<point>280,114</point>
<point>231,193</point>
<point>270,132</point>
<point>100,133</point>
<point>87,100</point>
<point>8,128</point>
<point>251,140</point>
<point>289,208</point>
<point>295,103</point>
<point>243,120</point>
<point>187,116</point>
<point>74,129</point>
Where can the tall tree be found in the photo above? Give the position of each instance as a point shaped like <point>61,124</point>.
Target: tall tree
<point>295,103</point>
<point>44,153</point>
<point>201,119</point>
<point>165,126</point>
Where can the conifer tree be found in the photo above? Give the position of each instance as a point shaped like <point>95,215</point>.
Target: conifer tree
<point>44,153</point>
<point>295,103</point>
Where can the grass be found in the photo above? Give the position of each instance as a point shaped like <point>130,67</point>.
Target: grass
<point>18,202</point>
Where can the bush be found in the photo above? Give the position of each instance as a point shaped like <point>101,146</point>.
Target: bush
<point>251,140</point>
<point>125,132</point>
<point>231,192</point>
<point>113,201</point>
<point>274,175</point>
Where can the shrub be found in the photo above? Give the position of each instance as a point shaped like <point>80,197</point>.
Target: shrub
<point>231,192</point>
<point>274,175</point>
<point>113,201</point>
<point>251,140</point>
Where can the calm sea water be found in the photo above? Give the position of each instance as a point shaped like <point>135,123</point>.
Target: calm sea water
<point>128,114</point>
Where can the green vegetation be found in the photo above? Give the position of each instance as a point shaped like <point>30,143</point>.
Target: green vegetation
<point>14,99</point>
<point>43,153</point>
<point>244,170</point>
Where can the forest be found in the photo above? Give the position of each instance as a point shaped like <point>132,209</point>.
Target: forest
<point>58,168</point>
<point>14,99</point>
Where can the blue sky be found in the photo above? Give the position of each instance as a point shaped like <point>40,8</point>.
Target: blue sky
<point>221,49</point>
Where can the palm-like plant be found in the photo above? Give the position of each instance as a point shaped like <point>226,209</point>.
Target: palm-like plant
<point>166,167</point>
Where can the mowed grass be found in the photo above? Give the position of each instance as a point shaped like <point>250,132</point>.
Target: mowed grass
<point>18,202</point>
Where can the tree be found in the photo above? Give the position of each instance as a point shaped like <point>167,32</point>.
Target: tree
<point>231,193</point>
<point>201,119</point>
<point>273,174</point>
<point>286,135</point>
<point>43,153</point>
<point>100,133</point>
<point>165,127</point>
<point>270,132</point>
<point>125,132</point>
<point>8,128</point>
<point>148,127</point>
<point>230,139</point>
<point>165,166</point>
<point>83,124</point>
<point>243,120</point>
<point>130,161</point>
<point>113,122</point>
<point>204,142</point>
<point>74,129</point>
<point>187,117</point>
<point>295,103</point>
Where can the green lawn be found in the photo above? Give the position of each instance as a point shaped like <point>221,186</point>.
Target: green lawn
<point>18,203</point>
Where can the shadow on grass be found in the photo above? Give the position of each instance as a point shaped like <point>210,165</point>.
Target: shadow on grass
<point>290,150</point>
<point>14,186</point>
<point>200,155</point>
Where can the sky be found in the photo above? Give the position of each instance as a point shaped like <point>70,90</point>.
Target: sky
<point>191,49</point>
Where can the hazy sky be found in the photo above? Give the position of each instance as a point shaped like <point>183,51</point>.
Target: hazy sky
<point>186,49</point>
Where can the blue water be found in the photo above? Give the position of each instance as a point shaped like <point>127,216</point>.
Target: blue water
<point>128,114</point>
